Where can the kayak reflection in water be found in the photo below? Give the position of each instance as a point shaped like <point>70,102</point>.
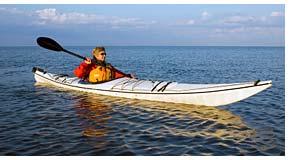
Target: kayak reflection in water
<point>103,116</point>
<point>96,70</point>
<point>94,116</point>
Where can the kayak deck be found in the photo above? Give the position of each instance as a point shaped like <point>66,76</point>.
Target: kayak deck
<point>198,94</point>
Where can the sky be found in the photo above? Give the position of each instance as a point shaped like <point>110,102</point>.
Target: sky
<point>144,24</point>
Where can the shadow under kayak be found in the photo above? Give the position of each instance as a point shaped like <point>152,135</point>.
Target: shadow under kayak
<point>164,91</point>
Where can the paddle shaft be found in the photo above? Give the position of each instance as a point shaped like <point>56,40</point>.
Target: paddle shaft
<point>74,54</point>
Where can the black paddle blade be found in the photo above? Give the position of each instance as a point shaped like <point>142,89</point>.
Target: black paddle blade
<point>49,43</point>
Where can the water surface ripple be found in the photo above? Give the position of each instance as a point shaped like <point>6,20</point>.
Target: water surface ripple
<point>38,119</point>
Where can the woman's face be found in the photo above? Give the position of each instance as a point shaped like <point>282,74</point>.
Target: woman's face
<point>100,56</point>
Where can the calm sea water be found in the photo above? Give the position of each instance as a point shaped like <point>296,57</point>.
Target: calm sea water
<point>44,120</point>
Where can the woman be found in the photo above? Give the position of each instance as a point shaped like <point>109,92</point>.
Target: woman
<point>96,70</point>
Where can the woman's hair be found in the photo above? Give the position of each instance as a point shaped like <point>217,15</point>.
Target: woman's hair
<point>97,50</point>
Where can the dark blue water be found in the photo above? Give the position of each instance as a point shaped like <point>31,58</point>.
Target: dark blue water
<point>45,120</point>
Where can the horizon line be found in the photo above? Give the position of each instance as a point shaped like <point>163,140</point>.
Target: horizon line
<point>156,46</point>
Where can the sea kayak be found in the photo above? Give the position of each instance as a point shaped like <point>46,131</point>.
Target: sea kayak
<point>164,91</point>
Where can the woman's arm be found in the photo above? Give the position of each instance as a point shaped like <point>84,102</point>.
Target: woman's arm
<point>82,70</point>
<point>120,74</point>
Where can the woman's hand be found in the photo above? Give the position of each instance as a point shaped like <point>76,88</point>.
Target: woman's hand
<point>133,76</point>
<point>87,60</point>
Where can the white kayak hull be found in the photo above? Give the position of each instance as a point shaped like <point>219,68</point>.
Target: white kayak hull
<point>197,94</point>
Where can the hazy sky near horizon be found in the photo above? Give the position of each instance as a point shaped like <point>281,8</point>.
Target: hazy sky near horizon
<point>198,24</point>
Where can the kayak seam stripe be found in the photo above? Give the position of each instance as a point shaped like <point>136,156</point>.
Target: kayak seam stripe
<point>152,92</point>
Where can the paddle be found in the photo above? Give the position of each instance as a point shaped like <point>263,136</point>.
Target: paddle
<point>51,44</point>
